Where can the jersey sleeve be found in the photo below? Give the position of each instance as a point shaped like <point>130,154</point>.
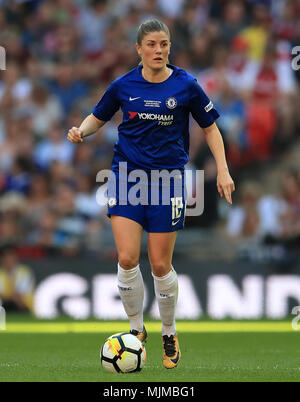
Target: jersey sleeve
<point>201,106</point>
<point>108,105</point>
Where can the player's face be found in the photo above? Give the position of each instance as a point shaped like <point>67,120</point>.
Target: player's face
<point>155,50</point>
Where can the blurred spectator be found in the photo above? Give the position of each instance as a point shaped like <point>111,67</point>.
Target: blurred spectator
<point>38,200</point>
<point>13,88</point>
<point>24,145</point>
<point>256,35</point>
<point>66,46</point>
<point>16,282</point>
<point>44,233</point>
<point>19,179</point>
<point>232,125</point>
<point>83,158</point>
<point>103,151</point>
<point>60,172</point>
<point>234,20</point>
<point>201,57</point>
<point>150,9</point>
<point>71,222</point>
<point>46,111</point>
<point>241,69</point>
<point>290,220</point>
<point>11,39</point>
<point>8,148</point>
<point>39,192</point>
<point>171,8</point>
<point>256,215</point>
<point>93,22</point>
<point>261,124</point>
<point>85,200</point>
<point>66,87</point>
<point>284,24</point>
<point>55,147</point>
<point>271,104</point>
<point>213,77</point>
<point>288,236</point>
<point>10,229</point>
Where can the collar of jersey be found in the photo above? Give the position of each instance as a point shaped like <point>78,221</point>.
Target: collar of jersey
<point>157,83</point>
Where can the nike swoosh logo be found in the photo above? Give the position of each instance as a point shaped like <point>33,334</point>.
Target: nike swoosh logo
<point>132,99</point>
<point>176,358</point>
<point>175,223</point>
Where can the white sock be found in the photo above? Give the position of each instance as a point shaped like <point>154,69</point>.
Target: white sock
<point>166,292</point>
<point>131,288</point>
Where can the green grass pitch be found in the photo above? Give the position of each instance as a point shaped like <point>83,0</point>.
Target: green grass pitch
<point>211,351</point>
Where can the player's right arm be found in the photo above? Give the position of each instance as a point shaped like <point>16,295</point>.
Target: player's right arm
<point>105,109</point>
<point>89,126</point>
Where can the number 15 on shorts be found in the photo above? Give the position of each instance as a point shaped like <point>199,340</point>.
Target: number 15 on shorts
<point>177,207</point>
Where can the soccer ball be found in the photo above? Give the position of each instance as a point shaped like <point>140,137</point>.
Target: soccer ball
<point>122,353</point>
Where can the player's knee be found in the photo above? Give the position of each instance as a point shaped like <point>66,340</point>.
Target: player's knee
<point>128,262</point>
<point>160,268</point>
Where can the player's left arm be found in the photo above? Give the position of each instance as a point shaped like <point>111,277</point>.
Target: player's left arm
<point>215,142</point>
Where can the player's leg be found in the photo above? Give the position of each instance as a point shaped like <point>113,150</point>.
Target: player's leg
<point>160,250</point>
<point>128,236</point>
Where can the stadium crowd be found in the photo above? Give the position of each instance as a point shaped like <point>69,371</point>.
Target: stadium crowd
<point>60,57</point>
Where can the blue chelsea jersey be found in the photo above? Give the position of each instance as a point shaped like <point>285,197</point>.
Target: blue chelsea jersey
<point>154,133</point>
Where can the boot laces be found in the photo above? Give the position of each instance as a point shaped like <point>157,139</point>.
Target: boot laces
<point>169,345</point>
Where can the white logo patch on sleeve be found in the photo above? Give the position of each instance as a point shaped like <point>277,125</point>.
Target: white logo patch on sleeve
<point>209,107</point>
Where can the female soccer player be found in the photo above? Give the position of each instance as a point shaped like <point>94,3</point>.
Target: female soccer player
<point>156,99</point>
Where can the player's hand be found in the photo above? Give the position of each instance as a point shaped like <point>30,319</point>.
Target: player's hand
<point>75,135</point>
<point>225,185</point>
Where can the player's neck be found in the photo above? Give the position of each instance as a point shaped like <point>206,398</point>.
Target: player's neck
<point>155,76</point>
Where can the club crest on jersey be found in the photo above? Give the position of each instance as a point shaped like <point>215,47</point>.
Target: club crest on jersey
<point>112,202</point>
<point>171,103</point>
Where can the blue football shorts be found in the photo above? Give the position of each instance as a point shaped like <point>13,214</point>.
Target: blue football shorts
<point>158,205</point>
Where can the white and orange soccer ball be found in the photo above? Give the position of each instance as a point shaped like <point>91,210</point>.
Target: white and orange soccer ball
<point>122,353</point>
